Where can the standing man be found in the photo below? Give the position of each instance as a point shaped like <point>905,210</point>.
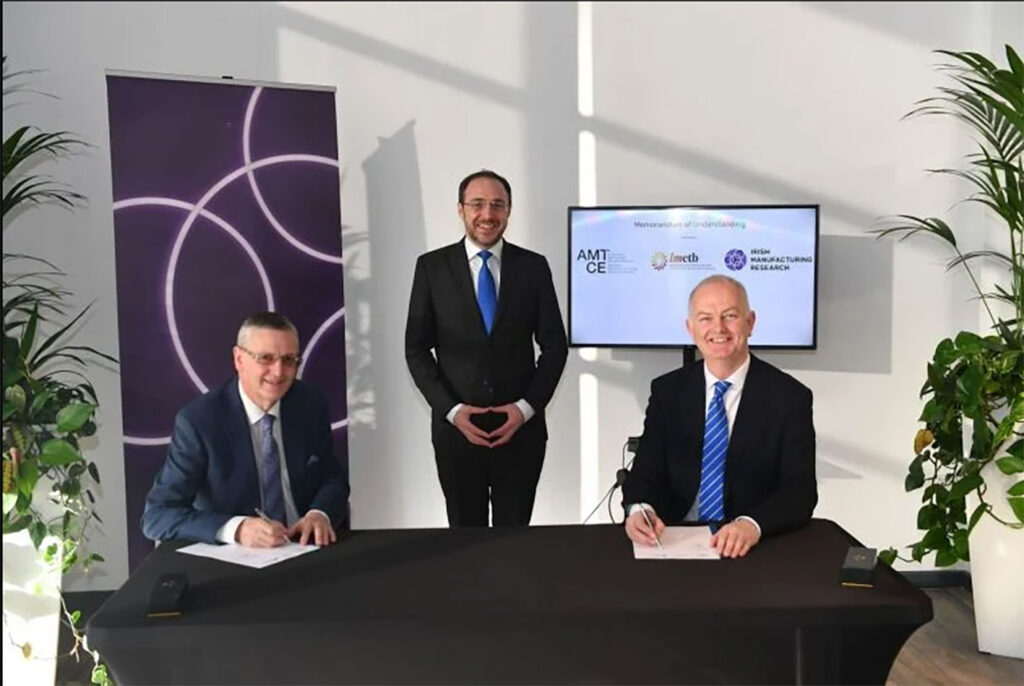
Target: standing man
<point>251,462</point>
<point>475,310</point>
<point>729,440</point>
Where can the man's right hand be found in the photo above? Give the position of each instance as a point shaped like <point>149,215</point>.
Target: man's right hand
<point>257,533</point>
<point>638,530</point>
<point>473,433</point>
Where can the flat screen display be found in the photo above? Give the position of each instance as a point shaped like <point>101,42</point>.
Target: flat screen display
<point>631,270</point>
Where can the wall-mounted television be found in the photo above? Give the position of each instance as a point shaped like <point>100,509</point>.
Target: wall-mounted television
<point>631,270</point>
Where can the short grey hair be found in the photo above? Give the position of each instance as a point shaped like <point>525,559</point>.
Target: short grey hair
<point>264,320</point>
<point>720,278</point>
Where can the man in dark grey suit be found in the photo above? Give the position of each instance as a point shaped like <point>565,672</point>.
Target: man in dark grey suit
<point>475,310</point>
<point>251,462</point>
<point>729,440</point>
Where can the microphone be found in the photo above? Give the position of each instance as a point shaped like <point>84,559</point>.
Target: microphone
<point>620,476</point>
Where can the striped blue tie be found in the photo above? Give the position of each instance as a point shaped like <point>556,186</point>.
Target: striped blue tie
<point>486,292</point>
<point>712,466</point>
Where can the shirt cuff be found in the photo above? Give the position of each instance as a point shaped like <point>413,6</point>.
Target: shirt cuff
<point>752,521</point>
<point>226,534</point>
<point>635,507</point>
<point>525,408</point>
<point>452,412</point>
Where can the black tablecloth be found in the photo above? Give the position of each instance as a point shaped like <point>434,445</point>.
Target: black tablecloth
<point>563,604</point>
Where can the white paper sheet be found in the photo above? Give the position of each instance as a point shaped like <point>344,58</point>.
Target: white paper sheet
<point>249,557</point>
<point>679,543</point>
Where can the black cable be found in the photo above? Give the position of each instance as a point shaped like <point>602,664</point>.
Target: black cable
<point>620,478</point>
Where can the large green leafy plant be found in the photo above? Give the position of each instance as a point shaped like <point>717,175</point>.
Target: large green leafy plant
<point>975,382</point>
<point>48,403</point>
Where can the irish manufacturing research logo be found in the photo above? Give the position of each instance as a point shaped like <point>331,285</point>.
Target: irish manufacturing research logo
<point>735,259</point>
<point>659,260</point>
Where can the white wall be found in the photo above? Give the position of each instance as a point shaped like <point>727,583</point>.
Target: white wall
<point>692,103</point>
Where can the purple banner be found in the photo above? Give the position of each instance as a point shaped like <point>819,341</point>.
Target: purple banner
<point>226,202</point>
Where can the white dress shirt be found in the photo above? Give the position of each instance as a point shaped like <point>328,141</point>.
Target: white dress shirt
<point>494,264</point>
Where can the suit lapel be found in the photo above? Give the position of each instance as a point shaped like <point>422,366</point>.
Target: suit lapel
<point>747,417</point>
<point>240,438</point>
<point>462,277</point>
<point>691,412</point>
<point>294,443</point>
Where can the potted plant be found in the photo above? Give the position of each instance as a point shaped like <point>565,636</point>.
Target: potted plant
<point>969,456</point>
<point>48,408</point>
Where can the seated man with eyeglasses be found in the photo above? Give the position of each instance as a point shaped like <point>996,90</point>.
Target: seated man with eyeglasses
<point>251,462</point>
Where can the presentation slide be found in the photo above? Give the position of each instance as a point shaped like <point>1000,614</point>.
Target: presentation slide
<point>632,269</point>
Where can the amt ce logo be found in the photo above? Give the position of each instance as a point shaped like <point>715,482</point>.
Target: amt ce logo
<point>596,259</point>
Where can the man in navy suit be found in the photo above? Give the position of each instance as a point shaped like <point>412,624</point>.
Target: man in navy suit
<point>754,474</point>
<point>475,310</point>
<point>251,462</point>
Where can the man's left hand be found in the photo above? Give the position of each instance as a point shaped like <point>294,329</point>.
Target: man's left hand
<point>504,433</point>
<point>313,526</point>
<point>736,538</point>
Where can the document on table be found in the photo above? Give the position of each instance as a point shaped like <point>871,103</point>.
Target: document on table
<point>249,557</point>
<point>679,543</point>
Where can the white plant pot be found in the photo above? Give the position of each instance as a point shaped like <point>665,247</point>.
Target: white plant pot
<point>997,559</point>
<point>31,612</point>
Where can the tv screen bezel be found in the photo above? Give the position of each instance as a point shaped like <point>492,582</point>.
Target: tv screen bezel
<point>659,346</point>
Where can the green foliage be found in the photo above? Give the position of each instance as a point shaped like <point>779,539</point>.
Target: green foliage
<point>977,379</point>
<point>49,405</point>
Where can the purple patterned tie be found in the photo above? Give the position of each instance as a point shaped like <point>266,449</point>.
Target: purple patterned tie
<point>273,496</point>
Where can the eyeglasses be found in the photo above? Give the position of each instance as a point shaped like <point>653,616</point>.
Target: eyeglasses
<point>268,359</point>
<point>499,206</point>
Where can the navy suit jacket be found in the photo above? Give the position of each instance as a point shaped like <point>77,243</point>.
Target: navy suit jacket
<point>769,467</point>
<point>210,472</point>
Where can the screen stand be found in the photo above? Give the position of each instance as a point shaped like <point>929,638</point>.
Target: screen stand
<point>689,356</point>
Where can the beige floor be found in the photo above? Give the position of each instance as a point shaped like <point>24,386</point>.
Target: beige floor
<point>945,651</point>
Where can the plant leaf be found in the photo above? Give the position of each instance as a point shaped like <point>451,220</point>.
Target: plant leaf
<point>57,451</point>
<point>71,417</point>
<point>1017,505</point>
<point>1010,465</point>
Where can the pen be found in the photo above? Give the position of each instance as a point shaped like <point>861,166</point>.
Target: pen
<point>643,511</point>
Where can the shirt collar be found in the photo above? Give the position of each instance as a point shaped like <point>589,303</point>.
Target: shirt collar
<point>472,249</point>
<point>252,411</point>
<point>736,379</point>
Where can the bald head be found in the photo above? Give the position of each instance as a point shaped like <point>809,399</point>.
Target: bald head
<point>725,280</point>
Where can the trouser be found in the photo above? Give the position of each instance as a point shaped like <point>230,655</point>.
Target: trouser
<point>506,477</point>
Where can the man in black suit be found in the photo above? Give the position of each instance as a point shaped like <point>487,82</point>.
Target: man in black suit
<point>728,440</point>
<point>251,462</point>
<point>475,310</point>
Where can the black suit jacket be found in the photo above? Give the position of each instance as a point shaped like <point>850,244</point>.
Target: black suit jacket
<point>210,472</point>
<point>450,355</point>
<point>769,469</point>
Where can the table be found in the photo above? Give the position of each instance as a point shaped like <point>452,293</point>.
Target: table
<point>546,604</point>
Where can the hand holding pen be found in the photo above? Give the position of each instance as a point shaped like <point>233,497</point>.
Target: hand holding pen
<point>657,538</point>
<point>645,528</point>
<point>261,531</point>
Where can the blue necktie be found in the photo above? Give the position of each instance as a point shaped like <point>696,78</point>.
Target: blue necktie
<point>273,496</point>
<point>712,466</point>
<point>486,292</point>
